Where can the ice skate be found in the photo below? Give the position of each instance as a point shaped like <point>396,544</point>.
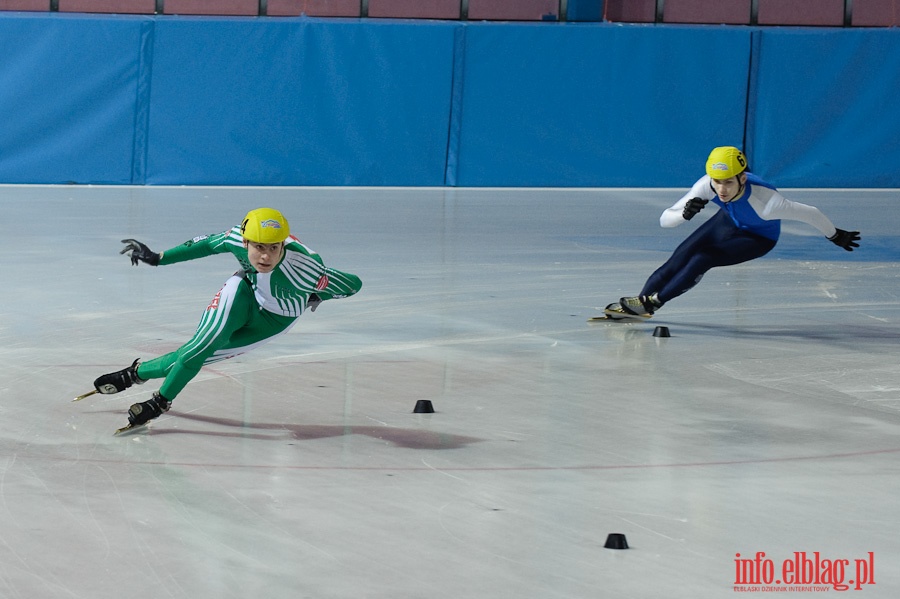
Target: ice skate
<point>115,382</point>
<point>615,311</point>
<point>141,413</point>
<point>642,306</point>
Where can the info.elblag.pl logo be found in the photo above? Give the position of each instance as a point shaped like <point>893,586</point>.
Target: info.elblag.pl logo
<point>802,572</point>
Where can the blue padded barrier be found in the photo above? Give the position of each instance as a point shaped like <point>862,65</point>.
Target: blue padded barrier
<point>825,110</point>
<point>580,105</point>
<point>136,99</point>
<point>68,93</point>
<point>300,102</point>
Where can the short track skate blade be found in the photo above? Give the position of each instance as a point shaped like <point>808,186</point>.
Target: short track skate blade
<point>617,318</point>
<point>83,395</point>
<point>616,315</point>
<point>129,428</point>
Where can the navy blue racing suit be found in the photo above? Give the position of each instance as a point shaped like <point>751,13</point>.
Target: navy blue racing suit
<point>742,229</point>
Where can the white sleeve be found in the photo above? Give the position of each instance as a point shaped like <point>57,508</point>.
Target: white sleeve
<point>779,207</point>
<point>674,216</point>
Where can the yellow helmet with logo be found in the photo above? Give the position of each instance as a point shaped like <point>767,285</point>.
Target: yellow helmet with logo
<point>725,162</point>
<point>265,225</point>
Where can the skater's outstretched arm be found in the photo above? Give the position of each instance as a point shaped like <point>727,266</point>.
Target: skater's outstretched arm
<point>780,207</point>
<point>198,247</point>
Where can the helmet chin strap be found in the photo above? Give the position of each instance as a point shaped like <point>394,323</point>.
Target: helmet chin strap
<point>742,178</point>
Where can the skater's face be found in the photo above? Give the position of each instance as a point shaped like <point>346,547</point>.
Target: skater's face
<point>729,189</point>
<point>264,257</point>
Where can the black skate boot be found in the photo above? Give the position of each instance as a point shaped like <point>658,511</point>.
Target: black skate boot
<point>144,412</point>
<point>642,305</point>
<point>115,382</point>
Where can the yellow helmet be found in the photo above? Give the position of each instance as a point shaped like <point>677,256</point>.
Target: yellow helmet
<point>725,162</point>
<point>265,225</point>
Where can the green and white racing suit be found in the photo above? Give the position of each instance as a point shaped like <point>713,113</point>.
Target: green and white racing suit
<point>250,309</point>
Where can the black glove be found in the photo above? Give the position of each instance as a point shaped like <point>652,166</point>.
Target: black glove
<point>139,252</point>
<point>693,206</point>
<point>845,239</point>
<point>313,302</point>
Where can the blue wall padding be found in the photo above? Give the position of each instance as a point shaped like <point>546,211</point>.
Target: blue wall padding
<point>68,89</point>
<point>451,171</point>
<point>308,102</point>
<point>827,109</point>
<point>257,101</point>
<point>142,103</point>
<point>577,104</point>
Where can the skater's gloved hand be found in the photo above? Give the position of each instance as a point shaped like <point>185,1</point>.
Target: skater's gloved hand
<point>845,239</point>
<point>140,252</point>
<point>313,302</point>
<point>693,206</point>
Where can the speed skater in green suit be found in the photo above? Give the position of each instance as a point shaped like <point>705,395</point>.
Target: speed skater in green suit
<point>280,278</point>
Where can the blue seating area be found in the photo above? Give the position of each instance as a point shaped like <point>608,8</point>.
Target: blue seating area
<point>823,13</point>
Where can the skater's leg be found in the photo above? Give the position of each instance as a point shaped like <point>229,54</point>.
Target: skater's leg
<point>685,261</point>
<point>261,327</point>
<point>742,247</point>
<point>230,309</point>
<point>685,278</point>
<point>717,242</point>
<point>232,324</point>
<point>707,235</point>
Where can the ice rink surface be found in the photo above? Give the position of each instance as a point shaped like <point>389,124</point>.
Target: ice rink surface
<point>768,422</point>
